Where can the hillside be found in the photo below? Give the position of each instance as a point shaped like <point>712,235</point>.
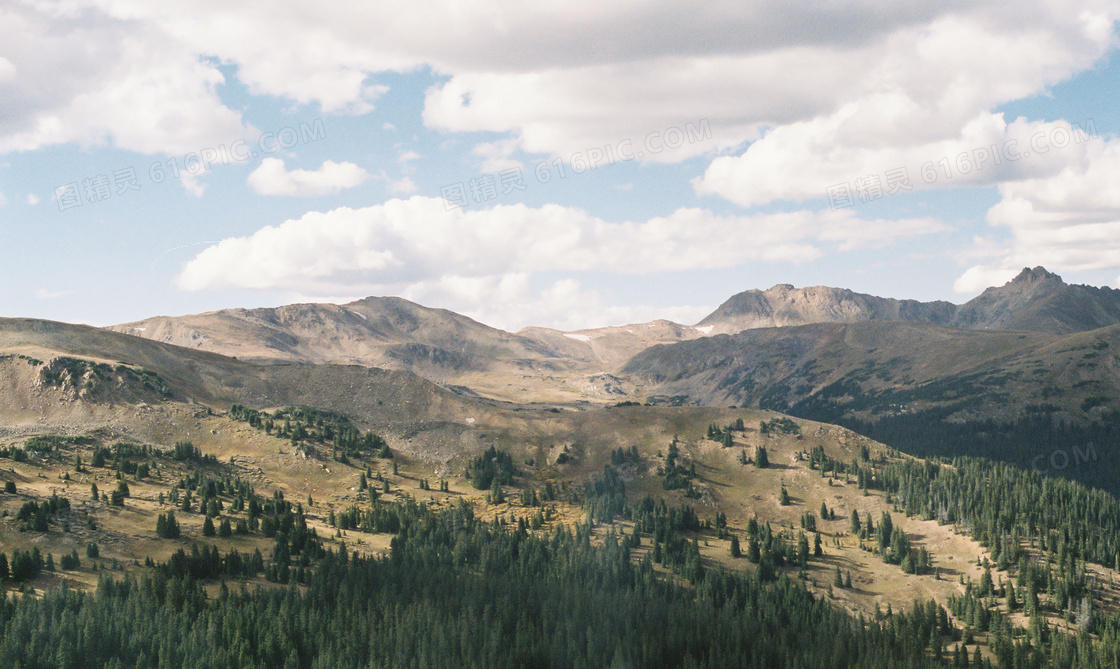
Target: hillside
<point>924,389</point>
<point>83,407</point>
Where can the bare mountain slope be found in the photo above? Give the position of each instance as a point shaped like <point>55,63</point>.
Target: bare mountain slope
<point>783,305</point>
<point>215,380</point>
<point>924,389</point>
<point>1035,301</point>
<point>439,345</point>
<point>388,332</point>
<point>783,365</point>
<point>1040,301</point>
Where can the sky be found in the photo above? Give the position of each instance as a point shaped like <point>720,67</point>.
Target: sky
<point>565,165</point>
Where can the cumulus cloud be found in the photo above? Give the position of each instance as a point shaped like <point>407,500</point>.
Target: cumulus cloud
<point>403,186</point>
<point>785,103</point>
<point>32,199</point>
<point>976,279</point>
<point>510,302</point>
<point>568,81</point>
<point>76,73</point>
<point>1066,221</point>
<point>419,238</point>
<point>814,160</point>
<point>272,178</point>
<point>44,294</point>
<point>926,95</point>
<point>497,156</point>
<point>417,247</point>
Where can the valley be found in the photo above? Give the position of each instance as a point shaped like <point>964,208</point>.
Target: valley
<point>703,453</point>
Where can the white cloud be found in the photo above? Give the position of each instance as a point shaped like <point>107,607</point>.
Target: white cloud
<point>509,302</point>
<point>926,94</point>
<point>192,183</point>
<point>7,70</point>
<point>976,279</point>
<point>565,80</point>
<point>416,247</point>
<point>908,80</point>
<point>271,178</point>
<point>403,186</point>
<point>497,156</point>
<point>1068,221</point>
<point>3,200</point>
<point>44,294</point>
<point>77,74</point>
<point>808,160</point>
<point>32,199</point>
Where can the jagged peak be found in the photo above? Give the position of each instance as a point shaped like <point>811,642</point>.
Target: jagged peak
<point>1035,275</point>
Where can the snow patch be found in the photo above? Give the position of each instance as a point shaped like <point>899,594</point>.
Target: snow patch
<point>707,329</point>
<point>470,421</point>
<point>578,337</point>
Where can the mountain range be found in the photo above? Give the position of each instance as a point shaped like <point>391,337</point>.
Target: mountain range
<point>395,333</point>
<point>1020,369</point>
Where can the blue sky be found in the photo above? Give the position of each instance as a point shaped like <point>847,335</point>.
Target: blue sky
<point>751,145</point>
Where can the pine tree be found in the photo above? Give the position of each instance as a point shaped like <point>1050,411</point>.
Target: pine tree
<point>753,550</point>
<point>735,550</point>
<point>496,495</point>
<point>761,458</point>
<point>1084,618</point>
<point>886,529</point>
<point>208,527</point>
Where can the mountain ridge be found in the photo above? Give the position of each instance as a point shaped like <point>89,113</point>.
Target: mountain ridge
<point>1036,300</point>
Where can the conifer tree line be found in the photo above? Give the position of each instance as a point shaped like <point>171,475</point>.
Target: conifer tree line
<point>453,592</point>
<point>301,424</point>
<point>456,591</point>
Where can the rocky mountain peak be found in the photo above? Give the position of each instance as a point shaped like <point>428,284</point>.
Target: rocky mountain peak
<point>1029,276</point>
